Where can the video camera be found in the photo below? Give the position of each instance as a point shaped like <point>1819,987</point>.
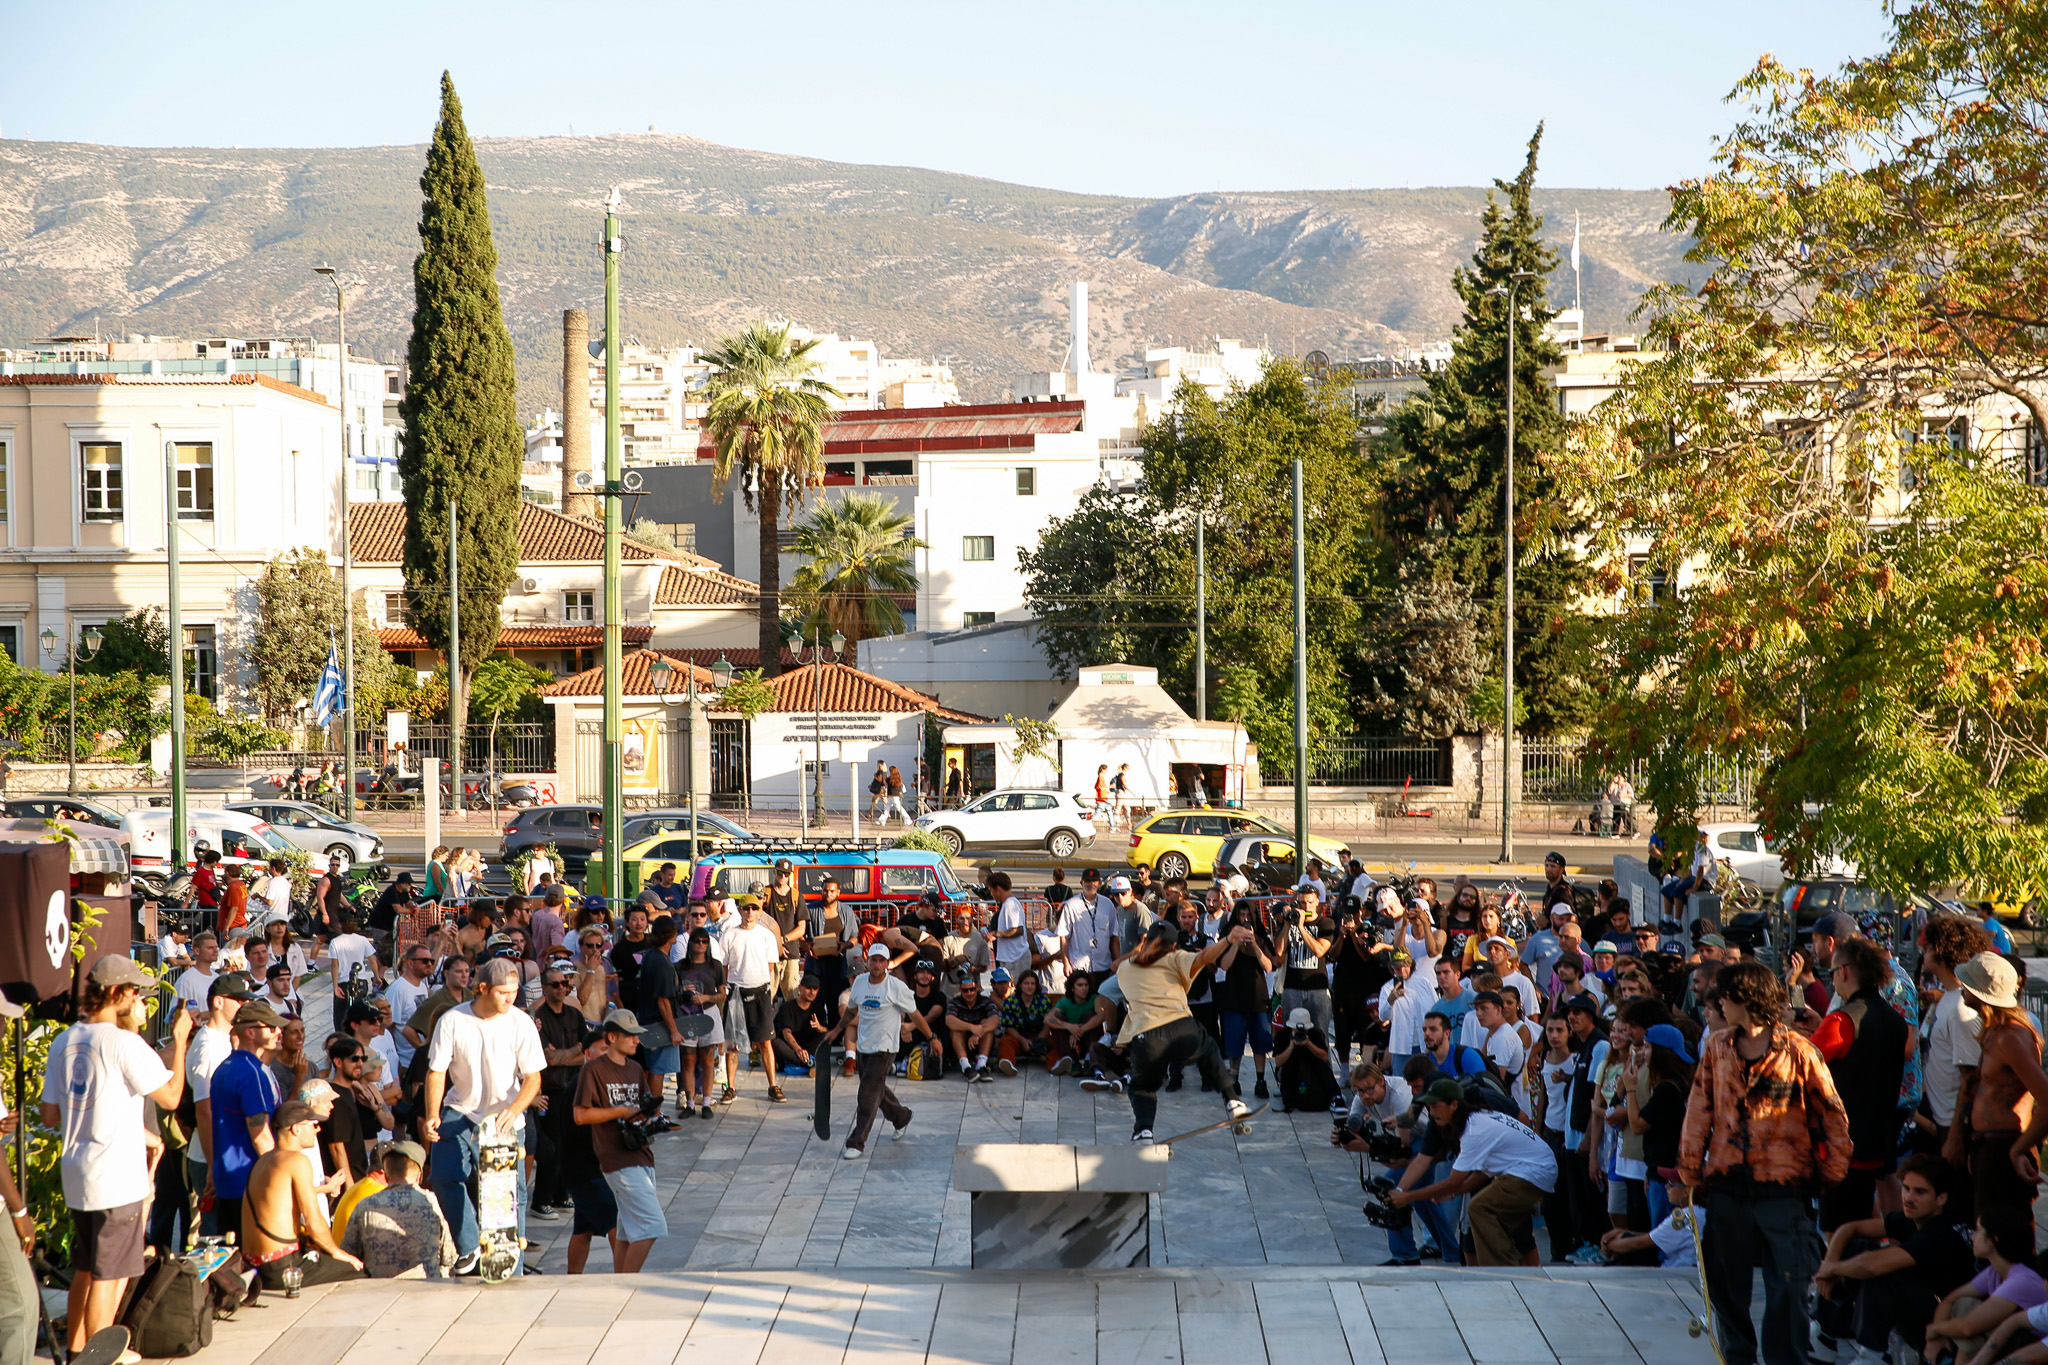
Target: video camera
<point>636,1133</point>
<point>1379,1211</point>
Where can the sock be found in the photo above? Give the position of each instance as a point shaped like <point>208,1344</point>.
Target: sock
<point>981,1060</point>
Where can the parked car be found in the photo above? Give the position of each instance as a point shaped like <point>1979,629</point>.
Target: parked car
<point>574,830</point>
<point>1264,857</point>
<point>890,875</point>
<point>55,807</point>
<point>1177,843</point>
<point>1806,900</point>
<point>240,838</point>
<point>1744,847</point>
<point>643,824</point>
<point>643,856</point>
<point>1022,818</point>
<point>319,831</point>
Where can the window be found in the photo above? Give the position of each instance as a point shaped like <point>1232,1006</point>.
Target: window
<point>1209,826</point>
<point>970,619</point>
<point>914,881</point>
<point>579,606</point>
<point>1740,840</point>
<point>101,490</point>
<point>852,879</point>
<point>1036,801</point>
<point>195,480</point>
<point>2034,459</point>
<point>10,641</point>
<point>1935,434</point>
<point>1027,482</point>
<point>3,483</point>
<point>202,664</point>
<point>1172,824</point>
<point>394,608</point>
<point>366,478</point>
<point>978,548</point>
<point>1650,580</point>
<point>684,534</point>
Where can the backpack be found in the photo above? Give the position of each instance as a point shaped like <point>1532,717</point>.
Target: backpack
<point>173,1307</point>
<point>925,1063</point>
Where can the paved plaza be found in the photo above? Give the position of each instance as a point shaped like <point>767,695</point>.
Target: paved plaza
<point>781,1253</point>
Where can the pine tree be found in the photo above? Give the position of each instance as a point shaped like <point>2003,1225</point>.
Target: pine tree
<point>462,437</point>
<point>1443,491</point>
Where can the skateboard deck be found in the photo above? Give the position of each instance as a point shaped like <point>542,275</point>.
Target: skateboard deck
<point>497,1205</point>
<point>103,1347</point>
<point>821,1095</point>
<point>1242,1125</point>
<point>691,1027</point>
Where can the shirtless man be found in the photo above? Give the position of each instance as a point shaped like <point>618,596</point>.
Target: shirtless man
<point>2005,1098</point>
<point>281,1196</point>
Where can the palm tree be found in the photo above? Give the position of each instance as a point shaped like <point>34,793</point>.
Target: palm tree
<point>859,554</point>
<point>767,422</point>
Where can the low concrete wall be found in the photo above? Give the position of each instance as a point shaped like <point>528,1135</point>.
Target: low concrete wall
<point>24,779</point>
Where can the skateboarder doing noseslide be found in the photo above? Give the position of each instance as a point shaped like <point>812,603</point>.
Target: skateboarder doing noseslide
<point>1160,1028</point>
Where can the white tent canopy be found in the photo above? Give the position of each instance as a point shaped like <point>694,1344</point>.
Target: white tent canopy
<point>1117,715</point>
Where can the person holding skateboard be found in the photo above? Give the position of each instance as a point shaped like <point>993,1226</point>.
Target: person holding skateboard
<point>1160,1027</point>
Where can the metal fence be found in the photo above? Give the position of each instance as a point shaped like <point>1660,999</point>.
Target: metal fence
<point>1561,772</point>
<point>527,747</point>
<point>1367,761</point>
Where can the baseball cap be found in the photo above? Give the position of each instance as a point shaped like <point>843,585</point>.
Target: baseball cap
<point>1554,857</point>
<point>1712,941</point>
<point>411,1151</point>
<point>497,972</point>
<point>1089,874</point>
<point>1166,931</point>
<point>292,1113</point>
<point>878,950</point>
<point>1991,979</point>
<point>1119,883</point>
<point>1443,1090</point>
<point>1667,1035</point>
<point>276,970</point>
<point>593,902</point>
<point>497,941</point>
<point>1607,945</point>
<point>233,985</point>
<point>1584,1004</point>
<point>258,1012</point>
<point>999,974</point>
<point>116,970</point>
<point>1834,924</point>
<point>968,981</point>
<point>625,1021</point>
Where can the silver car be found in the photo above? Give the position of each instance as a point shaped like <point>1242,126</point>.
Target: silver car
<point>319,831</point>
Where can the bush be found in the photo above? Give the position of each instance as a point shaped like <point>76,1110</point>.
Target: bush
<point>919,840</point>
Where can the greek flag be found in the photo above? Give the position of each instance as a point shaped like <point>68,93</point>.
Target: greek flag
<point>327,697</point>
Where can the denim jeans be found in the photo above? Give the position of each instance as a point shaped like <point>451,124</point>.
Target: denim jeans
<point>454,1161</point>
<point>1442,1218</point>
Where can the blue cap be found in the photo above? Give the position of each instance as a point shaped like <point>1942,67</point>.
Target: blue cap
<point>999,974</point>
<point>1835,924</point>
<point>593,902</point>
<point>1667,1035</point>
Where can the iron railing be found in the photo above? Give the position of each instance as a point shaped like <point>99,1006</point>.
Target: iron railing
<point>1560,772</point>
<point>526,747</point>
<point>1367,761</point>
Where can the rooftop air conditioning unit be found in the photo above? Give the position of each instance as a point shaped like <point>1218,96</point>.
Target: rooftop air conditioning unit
<point>529,584</point>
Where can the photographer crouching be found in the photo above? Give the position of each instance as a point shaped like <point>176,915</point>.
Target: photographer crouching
<point>1508,1166</point>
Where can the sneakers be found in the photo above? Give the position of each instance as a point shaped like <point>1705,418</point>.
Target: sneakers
<point>1063,1067</point>
<point>897,1130</point>
<point>1260,1091</point>
<point>1119,1084</point>
<point>1096,1084</point>
<point>705,1112</point>
<point>852,1067</point>
<point>986,1076</point>
<point>1142,1137</point>
<point>968,1074</point>
<point>775,1095</point>
<point>468,1264</point>
<point>1237,1109</point>
<point>546,1213</point>
<point>1588,1254</point>
<point>1007,1067</point>
<point>726,1094</point>
<point>1173,1082</point>
<point>1396,1260</point>
<point>850,1154</point>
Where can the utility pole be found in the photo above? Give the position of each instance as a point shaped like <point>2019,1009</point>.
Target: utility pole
<point>348,604</point>
<point>614,604</point>
<point>455,712</point>
<point>1300,681</point>
<point>1508,778</point>
<point>175,637</point>
<point>1201,623</point>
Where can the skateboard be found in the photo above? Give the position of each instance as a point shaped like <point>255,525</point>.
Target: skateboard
<point>821,1095</point>
<point>1241,1125</point>
<point>103,1347</point>
<point>691,1027</point>
<point>497,1204</point>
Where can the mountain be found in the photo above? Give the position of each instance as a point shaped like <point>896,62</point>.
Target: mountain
<point>205,241</point>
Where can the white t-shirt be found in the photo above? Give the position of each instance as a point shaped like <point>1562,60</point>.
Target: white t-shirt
<point>387,1048</point>
<point>1497,1145</point>
<point>209,1048</point>
<point>168,949</point>
<point>486,1059</point>
<point>1399,1096</point>
<point>1554,1090</point>
<point>98,1074</point>
<point>881,1009</point>
<point>1011,916</point>
<point>750,954</point>
<point>277,895</point>
<point>405,997</point>
<point>1524,987</point>
<point>1673,1236</point>
<point>348,951</point>
<point>1086,926</point>
<point>1952,1042</point>
<point>1504,1049</point>
<point>192,987</point>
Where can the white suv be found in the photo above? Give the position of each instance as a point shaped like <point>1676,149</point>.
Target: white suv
<point>1022,818</point>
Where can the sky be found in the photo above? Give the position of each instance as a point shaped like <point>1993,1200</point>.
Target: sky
<point>1126,97</point>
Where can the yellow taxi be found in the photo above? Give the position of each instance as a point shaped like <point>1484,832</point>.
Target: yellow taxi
<point>1177,843</point>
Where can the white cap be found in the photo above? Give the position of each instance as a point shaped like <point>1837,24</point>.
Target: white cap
<point>878,949</point>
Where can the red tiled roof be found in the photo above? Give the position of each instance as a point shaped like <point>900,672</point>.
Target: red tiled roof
<point>967,426</point>
<point>682,586</point>
<point>376,533</point>
<point>159,381</point>
<point>524,637</point>
<point>844,687</point>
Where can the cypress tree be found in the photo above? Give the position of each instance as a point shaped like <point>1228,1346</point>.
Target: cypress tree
<point>1444,489</point>
<point>462,437</point>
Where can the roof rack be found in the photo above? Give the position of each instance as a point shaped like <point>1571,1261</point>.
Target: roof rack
<point>796,846</point>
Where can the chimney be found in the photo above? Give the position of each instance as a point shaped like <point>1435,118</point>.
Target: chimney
<point>576,414</point>
<point>1077,303</point>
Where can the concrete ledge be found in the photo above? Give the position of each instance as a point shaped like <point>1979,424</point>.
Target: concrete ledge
<point>1057,1168</point>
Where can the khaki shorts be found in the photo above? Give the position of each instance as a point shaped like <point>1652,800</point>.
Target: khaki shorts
<point>107,1243</point>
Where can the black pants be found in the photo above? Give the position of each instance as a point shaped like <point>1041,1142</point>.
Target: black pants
<point>1852,1199</point>
<point>1588,1200</point>
<point>550,1186</point>
<point>315,1268</point>
<point>831,973</point>
<point>1212,1024</point>
<point>1557,1205</point>
<point>1306,1083</point>
<point>785,1055</point>
<point>875,1095</point>
<point>1773,1233</point>
<point>171,1202</point>
<point>1351,1019</point>
<point>1993,1181</point>
<point>1182,1041</point>
<point>1871,1310</point>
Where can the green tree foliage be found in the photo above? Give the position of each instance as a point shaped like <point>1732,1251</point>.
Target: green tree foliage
<point>298,620</point>
<point>767,417</point>
<point>749,694</point>
<point>652,534</point>
<point>1444,480</point>
<point>858,551</point>
<point>462,434</point>
<point>506,690</point>
<point>1425,637</point>
<point>1862,606</point>
<point>114,714</point>
<point>1115,581</point>
<point>137,643</point>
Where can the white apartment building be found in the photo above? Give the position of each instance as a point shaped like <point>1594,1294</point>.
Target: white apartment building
<point>374,387</point>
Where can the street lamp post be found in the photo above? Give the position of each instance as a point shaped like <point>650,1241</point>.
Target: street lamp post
<point>88,645</point>
<point>1507,655</point>
<point>348,611</point>
<point>818,655</point>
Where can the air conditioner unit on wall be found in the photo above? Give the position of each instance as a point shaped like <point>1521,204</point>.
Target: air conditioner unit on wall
<point>529,584</point>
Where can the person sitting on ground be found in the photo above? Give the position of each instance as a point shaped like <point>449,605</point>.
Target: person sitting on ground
<point>799,1027</point>
<point>1072,1026</point>
<point>1888,1273</point>
<point>1023,1016</point>
<point>971,1023</point>
<point>1671,1240</point>
<point>280,1211</point>
<point>2007,1287</point>
<point>400,1230</point>
<point>929,1003</point>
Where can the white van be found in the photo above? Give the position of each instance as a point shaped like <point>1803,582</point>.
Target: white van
<point>239,839</point>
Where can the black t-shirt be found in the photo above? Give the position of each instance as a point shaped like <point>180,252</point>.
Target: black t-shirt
<point>656,982</point>
<point>928,1001</point>
<point>345,1126</point>
<point>1941,1250</point>
<point>1242,988</point>
<point>705,978</point>
<point>626,955</point>
<point>384,914</point>
<point>782,907</point>
<point>1665,1113</point>
<point>801,1022</point>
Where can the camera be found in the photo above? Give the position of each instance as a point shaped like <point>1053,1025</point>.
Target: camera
<point>636,1134</point>
<point>1381,1213</point>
